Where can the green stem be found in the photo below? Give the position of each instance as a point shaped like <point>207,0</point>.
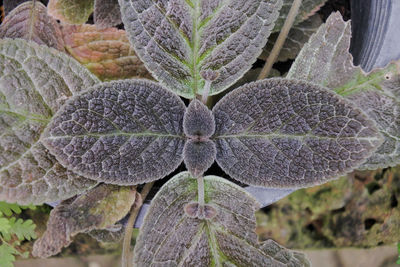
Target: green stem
<point>281,39</point>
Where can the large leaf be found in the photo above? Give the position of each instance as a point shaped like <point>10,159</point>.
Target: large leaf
<point>297,37</point>
<point>10,5</point>
<point>122,132</point>
<point>170,236</point>
<point>178,39</point>
<point>34,82</point>
<point>326,60</point>
<point>99,208</point>
<point>290,133</point>
<point>106,53</point>
<point>107,13</point>
<point>71,11</point>
<point>307,9</point>
<point>30,21</point>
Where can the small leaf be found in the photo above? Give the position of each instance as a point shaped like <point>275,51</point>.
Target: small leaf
<point>326,60</point>
<point>170,236</point>
<point>177,40</point>
<point>34,82</point>
<point>24,230</point>
<point>30,21</point>
<point>4,226</point>
<point>106,53</point>
<point>99,208</point>
<point>289,133</point>
<point>297,37</point>
<point>107,13</point>
<point>7,253</point>
<point>307,9</point>
<point>199,156</point>
<point>9,208</point>
<point>198,120</point>
<point>123,132</point>
<point>71,11</point>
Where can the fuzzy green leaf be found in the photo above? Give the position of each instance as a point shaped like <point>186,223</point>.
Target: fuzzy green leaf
<point>99,208</point>
<point>71,11</point>
<point>7,257</point>
<point>326,60</point>
<point>4,226</point>
<point>172,236</point>
<point>178,40</point>
<point>34,82</point>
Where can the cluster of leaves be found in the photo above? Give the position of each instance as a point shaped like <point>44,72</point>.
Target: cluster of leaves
<point>64,130</point>
<point>13,231</point>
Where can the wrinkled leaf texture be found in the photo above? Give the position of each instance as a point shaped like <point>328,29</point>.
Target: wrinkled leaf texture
<point>99,208</point>
<point>30,21</point>
<point>107,13</point>
<point>178,39</point>
<point>71,11</point>
<point>170,237</point>
<point>326,60</point>
<point>34,82</point>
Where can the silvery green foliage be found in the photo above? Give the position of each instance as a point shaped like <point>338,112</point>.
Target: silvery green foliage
<point>178,39</point>
<point>171,237</point>
<point>122,132</point>
<point>34,82</point>
<point>326,60</point>
<point>99,208</point>
<point>30,21</point>
<point>290,133</point>
<point>106,13</point>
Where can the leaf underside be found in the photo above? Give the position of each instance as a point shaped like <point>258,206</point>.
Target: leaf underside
<point>99,208</point>
<point>178,39</point>
<point>34,82</point>
<point>122,132</point>
<point>107,13</point>
<point>169,237</point>
<point>290,133</point>
<point>106,53</point>
<point>71,11</point>
<point>326,60</point>
<point>30,21</point>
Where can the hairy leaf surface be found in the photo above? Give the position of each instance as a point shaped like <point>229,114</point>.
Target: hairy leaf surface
<point>106,53</point>
<point>30,21</point>
<point>170,237</point>
<point>71,11</point>
<point>297,37</point>
<point>107,13</point>
<point>122,132</point>
<point>307,9</point>
<point>199,156</point>
<point>290,133</point>
<point>99,208</point>
<point>34,82</point>
<point>326,60</point>
<point>178,39</point>
<point>10,5</point>
<point>198,120</point>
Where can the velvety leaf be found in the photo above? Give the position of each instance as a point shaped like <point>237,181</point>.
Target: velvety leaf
<point>198,120</point>
<point>307,9</point>
<point>290,133</point>
<point>122,132</point>
<point>9,5</point>
<point>71,11</point>
<point>106,13</point>
<point>30,21</point>
<point>297,37</point>
<point>106,53</point>
<point>34,82</point>
<point>199,156</point>
<point>177,39</point>
<point>326,60</point>
<point>169,236</point>
<point>99,208</point>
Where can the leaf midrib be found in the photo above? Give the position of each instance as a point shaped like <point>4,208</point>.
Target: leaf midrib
<point>114,134</point>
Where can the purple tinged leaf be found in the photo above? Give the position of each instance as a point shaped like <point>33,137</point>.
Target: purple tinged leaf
<point>198,120</point>
<point>178,39</point>
<point>326,60</point>
<point>123,132</point>
<point>71,11</point>
<point>289,133</point>
<point>34,82</point>
<point>106,13</point>
<point>9,5</point>
<point>173,235</point>
<point>30,21</point>
<point>99,208</point>
<point>199,156</point>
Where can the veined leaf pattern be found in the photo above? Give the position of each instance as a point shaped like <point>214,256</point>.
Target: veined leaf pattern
<point>177,39</point>
<point>170,237</point>
<point>107,13</point>
<point>34,82</point>
<point>326,60</point>
<point>71,11</point>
